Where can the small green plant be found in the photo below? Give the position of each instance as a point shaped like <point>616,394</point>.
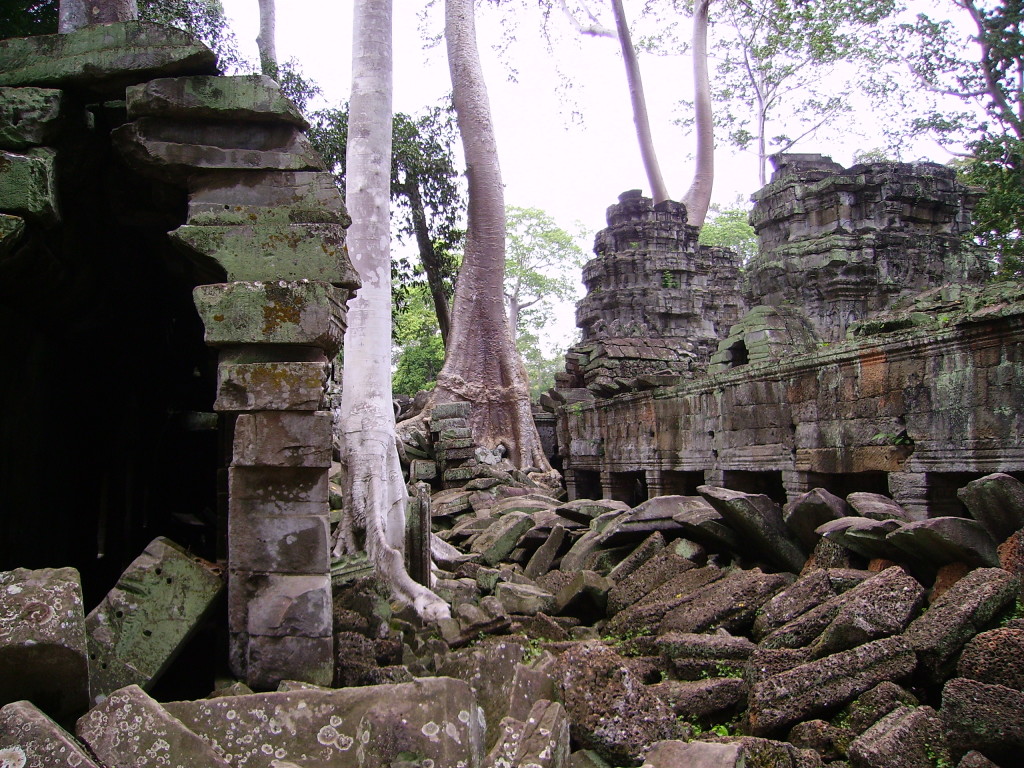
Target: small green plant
<point>533,651</point>
<point>668,280</point>
<point>894,439</point>
<point>1016,613</point>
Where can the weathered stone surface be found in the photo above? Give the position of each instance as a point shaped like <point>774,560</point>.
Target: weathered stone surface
<point>280,604</point>
<point>768,662</point>
<point>270,386</point>
<point>490,670</point>
<point>995,656</point>
<point>700,699</point>
<point>997,502</point>
<point>28,185</point>
<point>29,117</point>
<point>966,608</point>
<point>729,603</point>
<point>584,597</point>
<point>875,506</point>
<point>809,510</point>
<point>278,491</point>
<point>989,718</point>
<point>820,686</point>
<point>104,59</point>
<point>647,549</point>
<point>435,718</point>
<point>610,710</point>
<point>42,640</point>
<point>173,151</point>
<point>524,598</point>
<point>696,656</point>
<point>759,520</point>
<point>301,313</point>
<point>544,742</point>
<point>872,706</point>
<point>241,98</point>
<point>270,251</point>
<point>943,540</point>
<point>694,754</point>
<point>282,439</point>
<point>495,544</point>
<point>541,560</point>
<point>881,606</point>
<point>824,738</point>
<point>268,197</point>
<point>129,729</point>
<point>658,602</point>
<point>12,229</point>
<point>801,596</point>
<point>907,737</point>
<point>974,759</point>
<point>138,628</point>
<point>30,739</point>
<point>864,536</point>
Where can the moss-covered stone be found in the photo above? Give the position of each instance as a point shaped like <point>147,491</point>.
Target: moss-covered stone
<point>249,98</point>
<point>28,184</point>
<point>28,116</point>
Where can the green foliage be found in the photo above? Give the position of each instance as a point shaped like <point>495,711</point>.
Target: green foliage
<point>540,367</point>
<point>203,19</point>
<point>418,352</point>
<point>668,280</point>
<point>728,227</point>
<point>21,19</point>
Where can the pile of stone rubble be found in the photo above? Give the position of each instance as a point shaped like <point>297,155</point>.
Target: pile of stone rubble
<point>715,630</point>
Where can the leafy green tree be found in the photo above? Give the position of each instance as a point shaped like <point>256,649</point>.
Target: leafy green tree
<point>203,19</point>
<point>728,227</point>
<point>541,267</point>
<point>20,19</point>
<point>418,351</point>
<point>541,367</point>
<point>984,75</point>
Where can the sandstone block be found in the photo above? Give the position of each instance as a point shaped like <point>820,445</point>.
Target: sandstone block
<point>241,98</point>
<point>28,185</point>
<point>29,117</point>
<point>270,386</point>
<point>523,598</point>
<point>819,686</point>
<point>875,506</point>
<point>129,729</point>
<point>801,596</point>
<point>495,544</point>
<point>985,717</point>
<point>269,197</point>
<point>864,536</point>
<point>42,640</point>
<point>702,699</point>
<point>270,659</point>
<point>545,739</point>
<point>280,604</point>
<point>997,502</point>
<point>278,490</point>
<point>293,543</point>
<point>584,596</point>
<point>545,554</point>
<point>759,520</point>
<point>157,604</point>
<point>282,439</point>
<point>105,58</point>
<point>436,718</point>
<point>729,603</point>
<point>807,511</point>
<point>299,313</point>
<point>907,737</point>
<point>943,540</point>
<point>30,739</point>
<point>490,670</point>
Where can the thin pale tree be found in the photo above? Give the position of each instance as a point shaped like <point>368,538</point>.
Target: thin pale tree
<point>375,491</point>
<point>266,40</point>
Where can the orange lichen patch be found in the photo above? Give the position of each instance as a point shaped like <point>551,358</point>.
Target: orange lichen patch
<point>278,312</point>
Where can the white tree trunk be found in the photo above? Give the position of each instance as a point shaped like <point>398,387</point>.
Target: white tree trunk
<point>266,40</point>
<point>481,364</point>
<point>698,197</point>
<point>375,493</point>
<point>75,14</point>
<point>636,95</point>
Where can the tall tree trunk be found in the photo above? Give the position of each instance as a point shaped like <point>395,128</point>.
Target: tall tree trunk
<point>636,95</point>
<point>75,14</point>
<point>698,196</point>
<point>266,40</point>
<point>375,493</point>
<point>482,365</point>
<point>428,257</point>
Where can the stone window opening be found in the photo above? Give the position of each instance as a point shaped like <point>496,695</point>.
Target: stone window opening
<point>738,354</point>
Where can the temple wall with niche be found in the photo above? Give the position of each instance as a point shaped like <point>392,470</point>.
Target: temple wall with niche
<point>873,356</point>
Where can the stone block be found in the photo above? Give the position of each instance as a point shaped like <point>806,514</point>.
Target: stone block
<point>280,604</point>
<point>270,659</point>
<point>298,313</point>
<point>30,739</point>
<point>729,603</point>
<point>42,640</point>
<point>292,543</point>
<point>694,754</point>
<point>28,185</point>
<point>269,197</point>
<point>12,228</point>
<point>282,439</point>
<point>241,98</point>
<point>29,117</point>
<point>278,490</point>
<point>155,607</point>
<point>758,520</point>
<point>809,510</point>
<point>422,469</point>
<point>174,151</point>
<point>270,386</point>
<point>985,717</point>
<point>995,656</point>
<point>105,58</point>
<point>523,598</point>
<point>458,410</point>
<point>271,251</point>
<point>702,699</point>
<point>944,540</point>
<point>501,537</point>
<point>130,729</point>
<point>541,560</point>
<point>584,596</point>
<point>997,502</point>
<point>436,718</point>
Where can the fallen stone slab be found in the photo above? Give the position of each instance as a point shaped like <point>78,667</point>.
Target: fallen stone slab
<point>827,740</point>
<point>291,386</point>
<point>610,710</point>
<point>995,656</point>
<point>870,707</point>
<point>652,574</point>
<point>997,502</point>
<point>545,739</point>
<point>702,523</point>
<point>701,656</point>
<point>759,522</point>
<point>907,737</point>
<point>104,59</point>
<point>541,560</point>
<point>29,117</point>
<point>702,699</point>
<point>799,597</point>
<point>584,597</point>
<point>875,506</point>
<point>138,628</point>
<point>43,651</point>
<point>585,510</point>
<point>964,609</point>
<point>729,603</point>
<point>652,607</point>
<point>131,730</point>
<point>806,512</point>
<point>878,607</point>
<point>985,717</point>
<point>524,599</point>
<point>975,759</point>
<point>501,537</point>
<point>647,549</point>
<point>437,718</point>
<point>821,686</point>
<point>944,540</point>
<point>30,739</point>
<point>865,536</point>
<point>694,754</point>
